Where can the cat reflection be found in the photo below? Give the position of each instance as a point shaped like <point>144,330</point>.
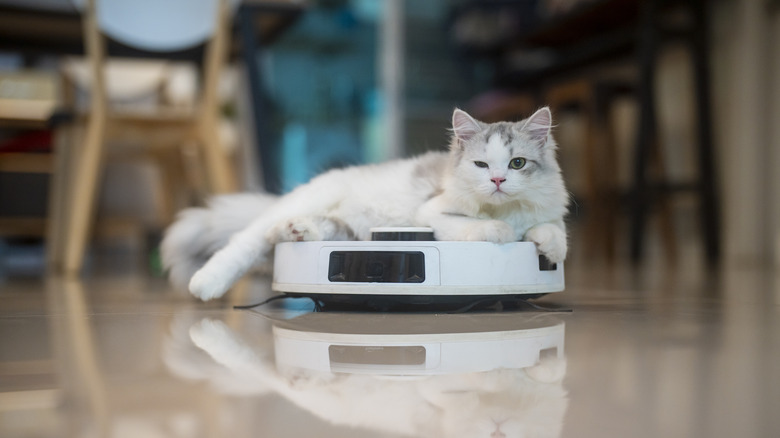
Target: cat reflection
<point>529,402</point>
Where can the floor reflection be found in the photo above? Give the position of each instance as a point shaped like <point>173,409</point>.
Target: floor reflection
<point>486,375</point>
<point>127,357</point>
<point>108,382</point>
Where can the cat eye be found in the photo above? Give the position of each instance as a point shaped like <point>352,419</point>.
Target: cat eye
<point>481,164</point>
<point>517,163</point>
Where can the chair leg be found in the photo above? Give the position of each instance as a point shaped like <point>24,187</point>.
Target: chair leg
<point>710,205</point>
<point>59,199</point>
<point>218,169</point>
<point>193,171</point>
<point>664,205</point>
<point>87,169</point>
<point>596,233</point>
<point>646,129</point>
<point>608,181</point>
<point>171,182</point>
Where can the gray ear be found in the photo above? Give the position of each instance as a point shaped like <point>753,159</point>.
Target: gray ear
<point>464,126</point>
<point>539,125</point>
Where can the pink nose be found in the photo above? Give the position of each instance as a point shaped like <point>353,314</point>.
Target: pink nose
<point>498,181</point>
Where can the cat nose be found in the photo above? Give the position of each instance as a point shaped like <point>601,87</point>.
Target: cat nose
<point>498,181</point>
<point>497,434</point>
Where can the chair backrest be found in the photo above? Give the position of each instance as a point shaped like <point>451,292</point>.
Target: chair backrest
<point>157,25</point>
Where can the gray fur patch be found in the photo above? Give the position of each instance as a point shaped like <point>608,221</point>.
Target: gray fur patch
<point>503,129</point>
<point>430,169</point>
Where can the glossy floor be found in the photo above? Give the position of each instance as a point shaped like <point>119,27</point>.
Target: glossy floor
<point>644,354</point>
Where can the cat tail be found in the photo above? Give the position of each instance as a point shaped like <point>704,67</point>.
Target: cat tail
<point>199,232</point>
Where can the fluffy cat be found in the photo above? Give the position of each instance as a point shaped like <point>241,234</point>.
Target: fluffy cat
<point>529,402</point>
<point>499,182</point>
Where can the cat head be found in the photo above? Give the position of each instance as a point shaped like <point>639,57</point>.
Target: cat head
<point>505,162</point>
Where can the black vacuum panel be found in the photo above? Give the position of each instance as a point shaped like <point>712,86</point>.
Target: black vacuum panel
<point>406,236</point>
<point>546,265</point>
<point>377,266</point>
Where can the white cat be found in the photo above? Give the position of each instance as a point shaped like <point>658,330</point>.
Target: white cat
<point>529,402</point>
<point>500,182</point>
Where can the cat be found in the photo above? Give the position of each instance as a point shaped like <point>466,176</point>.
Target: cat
<point>523,402</point>
<point>499,182</point>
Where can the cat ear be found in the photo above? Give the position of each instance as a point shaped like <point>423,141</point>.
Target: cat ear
<point>539,125</point>
<point>463,125</point>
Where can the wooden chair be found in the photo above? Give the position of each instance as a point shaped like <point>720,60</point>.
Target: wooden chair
<point>80,166</point>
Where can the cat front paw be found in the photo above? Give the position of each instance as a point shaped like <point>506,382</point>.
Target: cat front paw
<point>550,240</point>
<point>491,231</point>
<point>294,230</point>
<point>207,285</point>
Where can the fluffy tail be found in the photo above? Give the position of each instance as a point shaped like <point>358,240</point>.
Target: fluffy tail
<point>199,232</point>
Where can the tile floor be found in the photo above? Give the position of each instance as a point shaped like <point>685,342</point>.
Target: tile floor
<point>653,353</point>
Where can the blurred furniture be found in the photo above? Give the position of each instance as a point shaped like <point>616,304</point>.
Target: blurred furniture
<point>497,106</point>
<point>38,28</point>
<point>258,24</point>
<point>695,34</point>
<point>35,27</point>
<point>534,55</point>
<point>141,24</point>
<point>30,126</point>
<point>593,99</point>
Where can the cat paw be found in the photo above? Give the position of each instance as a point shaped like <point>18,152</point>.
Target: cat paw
<point>491,231</point>
<point>550,240</point>
<point>207,285</point>
<point>294,230</point>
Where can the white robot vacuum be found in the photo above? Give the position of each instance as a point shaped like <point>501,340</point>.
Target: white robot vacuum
<point>407,266</point>
<point>415,345</point>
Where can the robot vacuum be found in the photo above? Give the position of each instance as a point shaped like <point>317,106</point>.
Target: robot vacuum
<point>407,266</point>
<point>415,345</point>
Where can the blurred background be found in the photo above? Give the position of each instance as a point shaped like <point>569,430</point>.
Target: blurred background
<point>110,124</point>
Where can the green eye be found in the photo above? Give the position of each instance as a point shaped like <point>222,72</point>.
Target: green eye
<point>481,164</point>
<point>517,163</point>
